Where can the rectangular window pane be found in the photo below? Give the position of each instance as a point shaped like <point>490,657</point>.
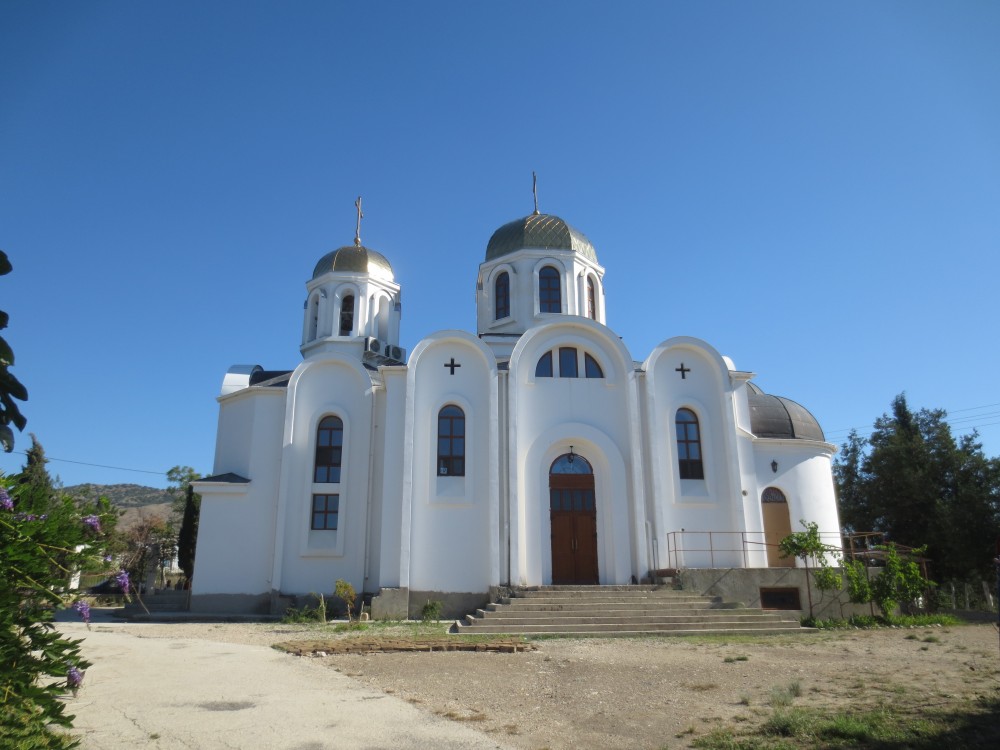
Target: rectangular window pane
<point>458,447</point>
<point>326,510</point>
<point>333,475</point>
<point>567,362</point>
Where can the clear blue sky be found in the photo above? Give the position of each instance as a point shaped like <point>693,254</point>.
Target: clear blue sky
<point>813,188</point>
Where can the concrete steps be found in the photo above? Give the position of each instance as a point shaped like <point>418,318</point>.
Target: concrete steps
<point>619,610</point>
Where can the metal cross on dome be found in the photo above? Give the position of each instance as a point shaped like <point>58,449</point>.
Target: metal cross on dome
<point>683,371</point>
<point>357,232</point>
<point>452,365</point>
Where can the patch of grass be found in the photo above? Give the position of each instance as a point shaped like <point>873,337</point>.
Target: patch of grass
<point>744,699</point>
<point>781,697</point>
<point>731,659</point>
<point>868,621</point>
<point>932,639</point>
<point>349,627</point>
<point>970,726</point>
<point>911,637</point>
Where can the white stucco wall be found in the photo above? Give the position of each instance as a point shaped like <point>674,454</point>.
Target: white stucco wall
<point>311,560</point>
<point>550,414</point>
<point>695,506</point>
<point>452,519</point>
<point>249,425</point>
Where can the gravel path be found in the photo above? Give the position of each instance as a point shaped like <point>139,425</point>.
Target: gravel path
<point>652,692</point>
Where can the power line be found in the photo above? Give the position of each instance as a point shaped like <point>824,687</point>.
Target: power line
<point>868,430</point>
<point>99,466</point>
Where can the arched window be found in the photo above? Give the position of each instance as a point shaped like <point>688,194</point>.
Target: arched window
<point>591,299</point>
<point>773,495</point>
<point>313,317</point>
<point>544,367</point>
<point>347,315</point>
<point>689,445</point>
<point>501,293</point>
<point>549,291</point>
<point>329,450</point>
<point>591,368</point>
<point>451,442</point>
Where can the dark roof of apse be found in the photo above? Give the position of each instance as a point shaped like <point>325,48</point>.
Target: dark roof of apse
<point>538,231</point>
<point>780,418</point>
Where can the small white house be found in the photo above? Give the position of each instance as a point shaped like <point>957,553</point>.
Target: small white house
<point>534,451</point>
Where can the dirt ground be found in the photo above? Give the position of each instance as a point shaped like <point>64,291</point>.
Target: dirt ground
<point>663,692</point>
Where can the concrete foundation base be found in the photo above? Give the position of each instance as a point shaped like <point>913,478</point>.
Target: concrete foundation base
<point>742,586</point>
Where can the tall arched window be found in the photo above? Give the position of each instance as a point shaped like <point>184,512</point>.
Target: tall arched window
<point>501,293</point>
<point>591,299</point>
<point>451,442</point>
<point>689,445</point>
<point>313,317</point>
<point>329,450</point>
<point>347,315</point>
<point>549,291</point>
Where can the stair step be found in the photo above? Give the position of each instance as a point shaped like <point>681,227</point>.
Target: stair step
<point>604,620</point>
<point>620,610</point>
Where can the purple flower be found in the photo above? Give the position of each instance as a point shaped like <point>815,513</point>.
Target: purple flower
<point>93,522</point>
<point>84,609</point>
<point>5,502</point>
<point>122,579</point>
<point>108,558</point>
<point>74,678</point>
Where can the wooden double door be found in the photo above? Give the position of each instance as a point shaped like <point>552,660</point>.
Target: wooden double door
<point>573,515</point>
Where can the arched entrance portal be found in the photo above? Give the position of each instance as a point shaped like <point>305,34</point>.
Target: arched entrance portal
<point>777,525</point>
<point>573,513</point>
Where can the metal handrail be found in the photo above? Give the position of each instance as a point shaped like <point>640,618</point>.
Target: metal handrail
<point>862,545</point>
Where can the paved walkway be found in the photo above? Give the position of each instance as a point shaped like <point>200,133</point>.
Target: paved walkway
<point>174,693</point>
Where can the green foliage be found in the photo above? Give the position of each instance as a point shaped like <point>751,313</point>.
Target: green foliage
<point>859,588</point>
<point>431,611</point>
<point>806,545</point>
<point>871,621</point>
<point>898,582</point>
<point>180,478</point>
<point>828,579</point>
<point>345,592</point>
<point>913,481</point>
<point>10,386</point>
<point>34,473</point>
<point>187,538</point>
<point>44,538</point>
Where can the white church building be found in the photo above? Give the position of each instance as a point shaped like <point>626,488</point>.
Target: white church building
<point>534,451</point>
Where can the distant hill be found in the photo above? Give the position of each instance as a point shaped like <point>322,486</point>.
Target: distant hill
<point>121,495</point>
<point>136,500</point>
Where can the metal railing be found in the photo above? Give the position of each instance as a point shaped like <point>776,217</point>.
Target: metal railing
<point>749,549</point>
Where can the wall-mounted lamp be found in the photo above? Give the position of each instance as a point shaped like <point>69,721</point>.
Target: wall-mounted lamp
<point>774,466</point>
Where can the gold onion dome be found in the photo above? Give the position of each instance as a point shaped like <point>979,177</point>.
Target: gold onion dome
<point>354,259</point>
<point>538,231</point>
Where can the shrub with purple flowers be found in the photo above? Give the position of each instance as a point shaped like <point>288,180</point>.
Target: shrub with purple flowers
<point>92,522</point>
<point>41,545</point>
<point>5,502</point>
<point>84,609</point>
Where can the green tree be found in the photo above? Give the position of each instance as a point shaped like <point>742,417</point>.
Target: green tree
<point>10,387</point>
<point>35,473</point>
<point>187,506</point>
<point>187,539</point>
<point>912,481</point>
